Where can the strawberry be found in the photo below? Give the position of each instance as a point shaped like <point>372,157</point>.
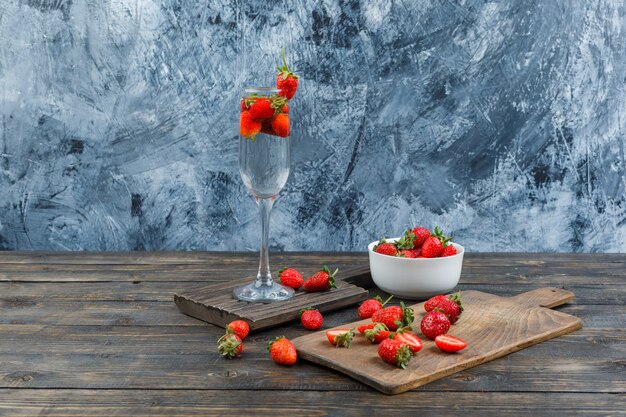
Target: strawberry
<point>261,108</point>
<point>249,127</point>
<point>362,328</point>
<point>282,351</point>
<point>285,108</point>
<point>311,318</point>
<point>407,253</point>
<point>290,277</point>
<point>394,317</point>
<point>286,81</point>
<point>449,343</point>
<point>434,244</point>
<point>378,333</point>
<point>432,247</point>
<point>385,248</point>
<point>321,281</point>
<point>435,323</point>
<point>416,253</point>
<point>395,352</point>
<point>280,125</point>
<point>433,302</point>
<point>369,307</point>
<point>450,305</point>
<point>447,251</point>
<point>238,327</point>
<point>408,338</point>
<point>230,346</point>
<point>340,337</point>
<point>420,235</point>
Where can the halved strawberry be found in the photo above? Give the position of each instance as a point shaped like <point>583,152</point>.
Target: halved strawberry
<point>449,343</point>
<point>340,337</point>
<point>414,342</point>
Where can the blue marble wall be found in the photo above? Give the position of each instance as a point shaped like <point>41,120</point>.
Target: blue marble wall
<point>503,122</point>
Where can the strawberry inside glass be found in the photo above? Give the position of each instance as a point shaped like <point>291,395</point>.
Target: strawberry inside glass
<point>264,112</point>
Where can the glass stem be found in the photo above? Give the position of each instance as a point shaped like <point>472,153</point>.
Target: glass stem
<point>264,278</point>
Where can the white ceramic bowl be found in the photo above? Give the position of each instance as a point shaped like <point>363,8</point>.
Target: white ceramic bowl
<point>415,278</point>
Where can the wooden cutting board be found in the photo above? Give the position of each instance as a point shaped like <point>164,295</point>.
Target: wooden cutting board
<point>215,303</point>
<point>492,326</point>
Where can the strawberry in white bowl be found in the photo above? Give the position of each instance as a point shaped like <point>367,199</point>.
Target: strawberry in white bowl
<point>418,265</point>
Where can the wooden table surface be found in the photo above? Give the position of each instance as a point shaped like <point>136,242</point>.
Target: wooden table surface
<point>99,334</point>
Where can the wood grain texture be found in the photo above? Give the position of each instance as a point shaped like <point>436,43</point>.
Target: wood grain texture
<point>97,334</point>
<point>492,326</point>
<point>215,303</point>
<point>183,403</point>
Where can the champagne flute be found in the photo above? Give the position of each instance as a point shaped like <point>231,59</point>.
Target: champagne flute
<point>264,162</point>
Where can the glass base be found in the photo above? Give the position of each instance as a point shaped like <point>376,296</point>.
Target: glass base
<point>263,293</point>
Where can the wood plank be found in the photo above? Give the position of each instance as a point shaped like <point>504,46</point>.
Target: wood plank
<point>138,403</point>
<point>154,357</point>
<point>164,257</point>
<point>492,326</point>
<point>164,291</point>
<point>148,313</point>
<point>215,303</point>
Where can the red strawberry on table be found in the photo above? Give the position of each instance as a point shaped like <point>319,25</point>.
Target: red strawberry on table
<point>385,248</point>
<point>230,346</point>
<point>435,323</point>
<point>414,342</point>
<point>291,278</point>
<point>321,281</point>
<point>369,307</point>
<point>238,327</point>
<point>449,343</point>
<point>249,127</point>
<point>395,352</point>
<point>450,305</point>
<point>282,351</point>
<point>340,337</point>
<point>378,333</point>
<point>311,318</point>
<point>286,81</point>
<point>394,316</point>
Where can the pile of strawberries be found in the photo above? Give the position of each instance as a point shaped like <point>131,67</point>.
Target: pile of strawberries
<point>391,327</point>
<point>269,114</point>
<point>418,242</point>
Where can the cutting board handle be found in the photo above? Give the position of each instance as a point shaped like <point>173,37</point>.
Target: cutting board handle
<point>545,297</point>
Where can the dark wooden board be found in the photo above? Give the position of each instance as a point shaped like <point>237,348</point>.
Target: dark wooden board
<point>215,303</point>
<point>97,334</point>
<point>493,326</point>
<point>188,403</point>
